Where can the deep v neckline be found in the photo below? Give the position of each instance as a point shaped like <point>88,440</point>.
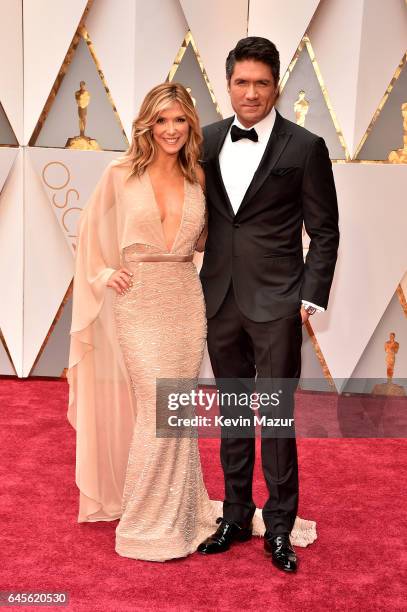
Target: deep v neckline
<point>157,209</point>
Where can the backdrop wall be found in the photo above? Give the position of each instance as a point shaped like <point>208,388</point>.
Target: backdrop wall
<point>347,56</point>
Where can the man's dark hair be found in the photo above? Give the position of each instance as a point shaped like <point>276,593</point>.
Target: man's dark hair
<point>255,48</point>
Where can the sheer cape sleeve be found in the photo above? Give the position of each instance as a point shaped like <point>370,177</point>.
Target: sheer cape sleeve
<point>102,407</point>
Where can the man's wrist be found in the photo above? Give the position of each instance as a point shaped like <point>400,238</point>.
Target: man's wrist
<point>311,308</point>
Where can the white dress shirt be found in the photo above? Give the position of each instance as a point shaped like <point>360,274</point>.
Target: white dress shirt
<point>239,161</point>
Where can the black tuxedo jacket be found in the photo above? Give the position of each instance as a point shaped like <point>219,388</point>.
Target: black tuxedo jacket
<point>260,248</point>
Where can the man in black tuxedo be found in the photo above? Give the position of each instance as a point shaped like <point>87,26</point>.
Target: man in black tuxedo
<point>265,177</point>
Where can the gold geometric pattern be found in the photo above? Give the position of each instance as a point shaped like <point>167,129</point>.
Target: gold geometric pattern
<point>84,33</point>
<point>5,118</point>
<point>320,356</point>
<point>60,76</point>
<point>189,39</point>
<point>305,42</point>
<point>377,113</point>
<point>81,33</point>
<point>402,299</point>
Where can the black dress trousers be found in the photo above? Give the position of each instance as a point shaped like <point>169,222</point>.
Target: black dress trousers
<point>240,348</point>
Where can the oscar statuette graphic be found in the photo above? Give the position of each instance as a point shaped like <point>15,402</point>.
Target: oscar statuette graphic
<point>399,156</point>
<point>391,348</point>
<point>301,107</point>
<point>85,143</point>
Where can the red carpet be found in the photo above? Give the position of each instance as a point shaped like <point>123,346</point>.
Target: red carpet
<point>354,489</point>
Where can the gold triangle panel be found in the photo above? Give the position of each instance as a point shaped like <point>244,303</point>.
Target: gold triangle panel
<point>7,136</point>
<point>189,70</point>
<point>304,99</point>
<point>385,139</point>
<point>80,103</point>
<point>379,360</point>
<point>402,299</point>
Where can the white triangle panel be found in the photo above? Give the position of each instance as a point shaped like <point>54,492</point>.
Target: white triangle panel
<point>335,35</point>
<point>64,167</point>
<point>160,30</point>
<point>11,256</point>
<point>372,259</point>
<point>216,27</point>
<point>113,34</point>
<point>49,28</point>
<point>11,64</point>
<point>48,265</point>
<point>284,22</point>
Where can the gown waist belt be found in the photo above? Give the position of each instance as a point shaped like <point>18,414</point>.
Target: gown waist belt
<point>158,257</point>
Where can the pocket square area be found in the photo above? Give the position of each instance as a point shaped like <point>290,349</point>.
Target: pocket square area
<point>283,171</point>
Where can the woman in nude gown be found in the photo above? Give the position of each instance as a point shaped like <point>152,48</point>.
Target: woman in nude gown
<point>139,316</point>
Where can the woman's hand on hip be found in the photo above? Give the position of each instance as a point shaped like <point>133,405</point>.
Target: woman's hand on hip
<point>121,280</point>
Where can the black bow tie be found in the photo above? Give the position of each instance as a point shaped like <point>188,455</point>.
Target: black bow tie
<point>236,133</point>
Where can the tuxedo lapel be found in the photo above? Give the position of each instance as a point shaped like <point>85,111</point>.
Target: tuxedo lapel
<point>278,141</point>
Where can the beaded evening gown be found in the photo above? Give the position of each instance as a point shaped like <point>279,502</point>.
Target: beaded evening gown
<point>161,328</point>
<point>153,484</point>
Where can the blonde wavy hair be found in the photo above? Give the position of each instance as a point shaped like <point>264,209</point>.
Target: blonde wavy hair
<point>143,148</point>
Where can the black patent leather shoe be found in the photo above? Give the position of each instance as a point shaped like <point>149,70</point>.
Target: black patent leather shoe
<point>224,536</point>
<point>281,552</point>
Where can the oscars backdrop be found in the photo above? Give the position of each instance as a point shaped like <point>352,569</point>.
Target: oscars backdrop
<point>72,77</point>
